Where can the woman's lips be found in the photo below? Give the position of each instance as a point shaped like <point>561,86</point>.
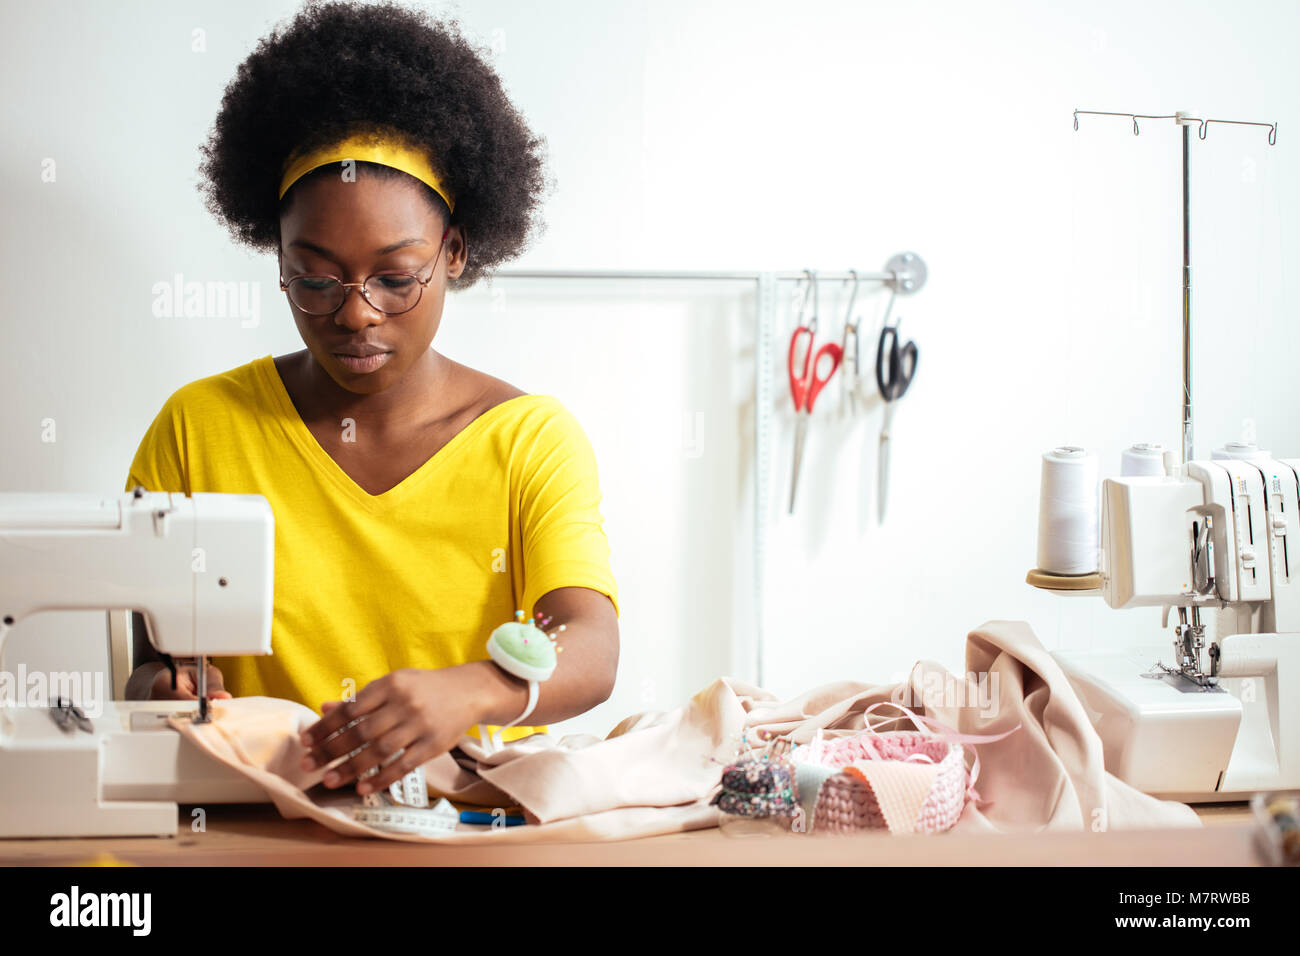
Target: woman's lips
<point>363,364</point>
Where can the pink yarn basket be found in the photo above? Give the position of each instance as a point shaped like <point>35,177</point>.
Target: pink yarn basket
<point>847,803</point>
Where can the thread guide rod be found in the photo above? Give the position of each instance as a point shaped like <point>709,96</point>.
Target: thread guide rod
<point>1185,120</point>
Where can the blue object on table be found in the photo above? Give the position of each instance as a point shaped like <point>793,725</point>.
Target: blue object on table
<point>476,816</point>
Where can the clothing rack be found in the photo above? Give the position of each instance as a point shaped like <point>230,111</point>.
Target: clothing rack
<point>904,273</point>
<point>1185,120</point>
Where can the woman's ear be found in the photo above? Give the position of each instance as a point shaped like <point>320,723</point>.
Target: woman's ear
<point>459,258</point>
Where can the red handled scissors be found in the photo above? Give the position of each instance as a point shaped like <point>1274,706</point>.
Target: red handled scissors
<point>805,382</point>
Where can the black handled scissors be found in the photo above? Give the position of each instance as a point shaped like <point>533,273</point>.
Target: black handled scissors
<point>893,383</point>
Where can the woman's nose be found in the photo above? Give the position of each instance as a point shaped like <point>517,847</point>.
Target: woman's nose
<point>356,312</point>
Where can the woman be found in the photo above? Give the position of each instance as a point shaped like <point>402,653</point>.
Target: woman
<point>418,502</point>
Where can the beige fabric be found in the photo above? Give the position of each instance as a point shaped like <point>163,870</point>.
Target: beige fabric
<point>654,772</point>
<point>900,790</point>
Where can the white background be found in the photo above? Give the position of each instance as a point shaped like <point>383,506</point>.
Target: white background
<point>728,135</point>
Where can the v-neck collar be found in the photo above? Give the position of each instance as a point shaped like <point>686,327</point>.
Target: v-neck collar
<point>298,432</point>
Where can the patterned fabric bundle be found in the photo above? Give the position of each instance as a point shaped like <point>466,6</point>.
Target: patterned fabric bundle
<point>755,786</point>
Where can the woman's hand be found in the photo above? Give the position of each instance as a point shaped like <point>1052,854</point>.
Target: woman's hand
<point>187,683</point>
<point>397,723</point>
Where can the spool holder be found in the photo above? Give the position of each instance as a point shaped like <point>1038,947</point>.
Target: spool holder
<point>1185,120</point>
<point>1064,582</point>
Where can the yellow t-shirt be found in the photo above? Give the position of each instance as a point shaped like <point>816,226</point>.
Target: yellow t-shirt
<point>418,576</point>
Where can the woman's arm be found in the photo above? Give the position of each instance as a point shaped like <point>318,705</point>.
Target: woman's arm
<point>410,716</point>
<point>584,672</point>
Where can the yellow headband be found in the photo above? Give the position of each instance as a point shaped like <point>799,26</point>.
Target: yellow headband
<point>367,147</point>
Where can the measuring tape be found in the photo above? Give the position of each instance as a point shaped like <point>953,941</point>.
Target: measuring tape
<point>441,818</point>
<point>405,808</point>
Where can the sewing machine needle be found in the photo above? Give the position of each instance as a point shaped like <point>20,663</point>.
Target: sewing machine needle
<point>201,684</point>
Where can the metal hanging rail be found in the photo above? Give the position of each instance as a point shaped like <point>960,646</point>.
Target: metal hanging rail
<point>904,273</point>
<point>703,274</point>
<point>1185,120</point>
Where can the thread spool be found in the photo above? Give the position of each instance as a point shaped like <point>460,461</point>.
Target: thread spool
<point>1238,450</point>
<point>1067,512</point>
<point>1246,659</point>
<point>1144,458</point>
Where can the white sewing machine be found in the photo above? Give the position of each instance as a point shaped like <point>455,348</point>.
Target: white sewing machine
<point>201,570</point>
<point>1221,719</point>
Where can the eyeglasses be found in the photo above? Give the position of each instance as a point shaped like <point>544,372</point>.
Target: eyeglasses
<point>391,293</point>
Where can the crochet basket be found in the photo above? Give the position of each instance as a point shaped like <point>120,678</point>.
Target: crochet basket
<point>903,782</point>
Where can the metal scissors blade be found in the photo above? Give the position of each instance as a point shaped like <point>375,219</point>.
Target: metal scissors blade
<point>800,434</point>
<point>882,485</point>
<point>849,359</point>
<point>895,369</point>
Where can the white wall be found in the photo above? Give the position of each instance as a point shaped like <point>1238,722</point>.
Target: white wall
<point>689,135</point>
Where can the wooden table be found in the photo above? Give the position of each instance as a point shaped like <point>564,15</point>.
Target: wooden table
<point>255,835</point>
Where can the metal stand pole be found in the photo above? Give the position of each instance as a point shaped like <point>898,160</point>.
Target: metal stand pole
<point>1187,304</point>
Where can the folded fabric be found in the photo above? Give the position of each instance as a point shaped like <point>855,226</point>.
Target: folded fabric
<point>655,772</point>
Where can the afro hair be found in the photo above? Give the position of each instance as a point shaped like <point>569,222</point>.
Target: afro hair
<point>339,68</point>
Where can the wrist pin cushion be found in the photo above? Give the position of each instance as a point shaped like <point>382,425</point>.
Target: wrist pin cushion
<point>524,650</point>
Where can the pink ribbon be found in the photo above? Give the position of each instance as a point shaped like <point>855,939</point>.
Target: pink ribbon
<point>946,733</point>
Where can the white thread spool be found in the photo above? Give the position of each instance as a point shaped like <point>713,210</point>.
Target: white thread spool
<point>1067,512</point>
<point>1238,450</point>
<point>1144,458</point>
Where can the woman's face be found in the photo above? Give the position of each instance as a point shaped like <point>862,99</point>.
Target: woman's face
<point>352,230</point>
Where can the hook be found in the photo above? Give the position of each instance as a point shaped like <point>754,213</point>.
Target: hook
<point>893,294</point>
<point>850,356</point>
<point>801,293</point>
<point>812,287</point>
<point>1076,121</point>
<point>1135,125</point>
<point>1272,127</point>
<point>817,302</point>
<point>854,295</point>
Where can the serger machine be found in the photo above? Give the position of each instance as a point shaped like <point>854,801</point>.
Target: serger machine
<point>200,569</point>
<point>1216,543</point>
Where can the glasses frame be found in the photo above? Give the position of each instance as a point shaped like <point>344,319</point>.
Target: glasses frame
<point>348,286</point>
